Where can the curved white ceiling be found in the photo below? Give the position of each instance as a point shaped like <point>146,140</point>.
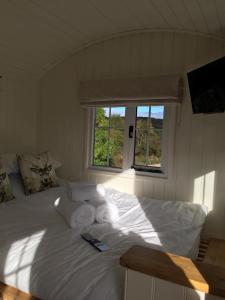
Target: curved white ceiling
<point>36,34</point>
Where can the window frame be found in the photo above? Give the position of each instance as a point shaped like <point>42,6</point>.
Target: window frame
<point>168,138</point>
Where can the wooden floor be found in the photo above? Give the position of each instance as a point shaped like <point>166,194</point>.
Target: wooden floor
<point>215,254</point>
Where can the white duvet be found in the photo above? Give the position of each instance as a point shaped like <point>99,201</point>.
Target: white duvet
<point>41,255</point>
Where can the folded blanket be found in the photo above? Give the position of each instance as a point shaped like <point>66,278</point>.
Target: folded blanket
<point>106,213</point>
<point>87,192</point>
<point>76,214</point>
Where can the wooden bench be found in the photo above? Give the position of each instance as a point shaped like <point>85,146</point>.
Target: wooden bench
<point>150,272</point>
<point>10,293</point>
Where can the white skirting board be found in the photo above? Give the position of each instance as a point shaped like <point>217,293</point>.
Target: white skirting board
<point>145,287</point>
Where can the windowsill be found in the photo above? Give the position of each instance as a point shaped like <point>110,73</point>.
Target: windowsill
<point>130,173</point>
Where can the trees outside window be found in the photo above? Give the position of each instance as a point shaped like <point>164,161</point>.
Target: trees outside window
<point>109,137</point>
<point>111,142</point>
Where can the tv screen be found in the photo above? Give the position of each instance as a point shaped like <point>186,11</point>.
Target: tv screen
<point>207,88</point>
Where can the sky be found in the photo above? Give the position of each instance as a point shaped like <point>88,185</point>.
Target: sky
<point>156,111</point>
<point>142,111</point>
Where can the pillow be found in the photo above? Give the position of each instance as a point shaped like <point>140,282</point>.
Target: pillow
<point>82,191</point>
<point>9,160</point>
<point>37,172</point>
<point>5,189</point>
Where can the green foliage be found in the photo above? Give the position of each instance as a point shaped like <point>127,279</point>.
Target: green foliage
<point>148,131</point>
<point>116,148</point>
<point>101,147</point>
<point>108,140</point>
<point>101,119</point>
<point>108,147</point>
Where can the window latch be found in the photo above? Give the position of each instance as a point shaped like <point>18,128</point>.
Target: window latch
<point>131,131</point>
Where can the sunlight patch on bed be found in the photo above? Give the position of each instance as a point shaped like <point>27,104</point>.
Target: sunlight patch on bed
<point>125,182</point>
<point>20,258</point>
<point>137,227</point>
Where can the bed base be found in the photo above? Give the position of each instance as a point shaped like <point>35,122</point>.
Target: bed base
<point>203,247</point>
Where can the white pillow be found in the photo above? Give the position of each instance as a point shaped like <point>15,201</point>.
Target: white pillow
<point>9,160</point>
<point>86,191</point>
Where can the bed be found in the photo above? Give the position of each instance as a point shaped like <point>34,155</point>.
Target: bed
<point>41,255</point>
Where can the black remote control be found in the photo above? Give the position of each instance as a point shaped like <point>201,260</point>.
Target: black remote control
<point>94,242</point>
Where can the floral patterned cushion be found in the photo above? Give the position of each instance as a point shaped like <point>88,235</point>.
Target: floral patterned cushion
<point>5,189</point>
<point>37,172</point>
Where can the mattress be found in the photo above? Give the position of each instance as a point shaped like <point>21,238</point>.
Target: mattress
<point>41,255</point>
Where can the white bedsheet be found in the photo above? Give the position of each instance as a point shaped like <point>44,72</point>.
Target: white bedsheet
<point>40,254</point>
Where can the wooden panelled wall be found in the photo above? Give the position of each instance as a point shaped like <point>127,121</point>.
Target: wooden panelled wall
<point>18,114</point>
<point>199,156</point>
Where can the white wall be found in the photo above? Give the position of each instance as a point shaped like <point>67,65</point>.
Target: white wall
<point>61,120</point>
<point>199,167</point>
<point>18,115</point>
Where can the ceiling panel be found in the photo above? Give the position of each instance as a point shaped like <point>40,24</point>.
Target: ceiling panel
<point>166,12</point>
<point>195,11</point>
<point>36,34</point>
<point>181,14</point>
<point>220,9</point>
<point>209,11</point>
<point>146,14</point>
<point>82,15</point>
<point>117,12</point>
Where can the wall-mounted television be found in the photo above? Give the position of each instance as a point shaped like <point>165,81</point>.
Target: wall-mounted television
<point>207,88</point>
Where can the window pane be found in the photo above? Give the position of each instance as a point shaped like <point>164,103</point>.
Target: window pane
<point>109,136</point>
<point>148,142</point>
<point>101,147</point>
<point>155,136</point>
<point>117,117</point>
<point>157,112</point>
<point>116,148</point>
<point>142,117</point>
<point>102,117</point>
<point>155,151</point>
<point>140,147</point>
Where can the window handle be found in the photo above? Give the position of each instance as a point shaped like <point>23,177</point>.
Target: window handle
<point>131,131</point>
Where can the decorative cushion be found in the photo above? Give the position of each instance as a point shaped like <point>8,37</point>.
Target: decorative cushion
<point>37,172</point>
<point>5,189</point>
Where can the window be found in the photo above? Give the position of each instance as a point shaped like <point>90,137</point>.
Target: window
<point>138,138</point>
<point>109,137</point>
<point>148,136</point>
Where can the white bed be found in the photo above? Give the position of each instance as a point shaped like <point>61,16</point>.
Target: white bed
<point>41,255</point>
